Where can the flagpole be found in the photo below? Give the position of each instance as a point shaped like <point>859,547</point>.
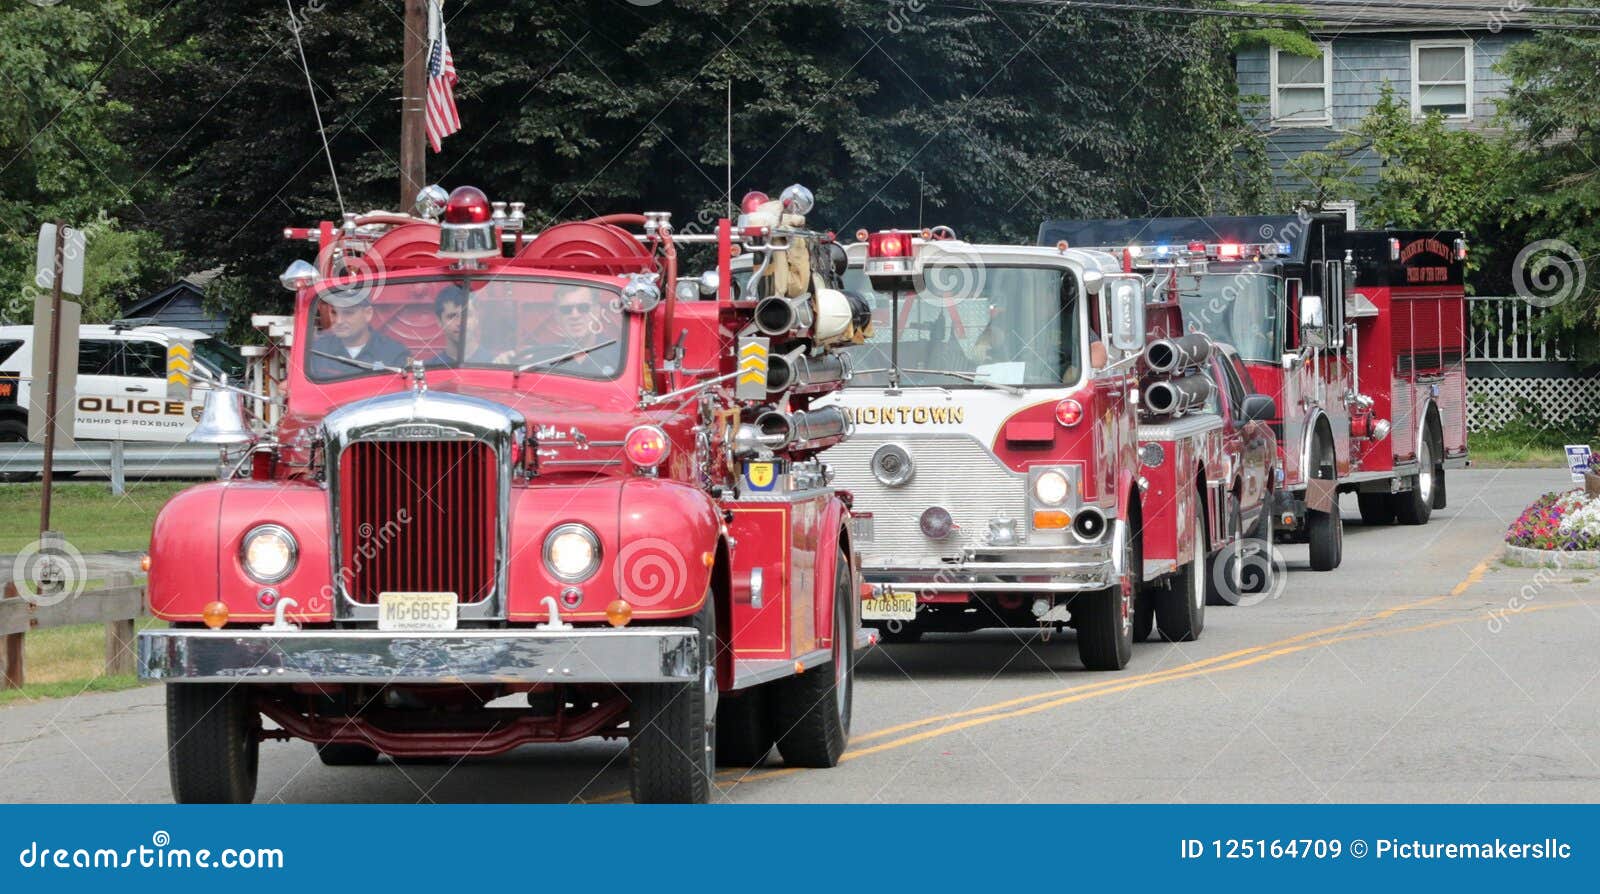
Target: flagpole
<point>413,137</point>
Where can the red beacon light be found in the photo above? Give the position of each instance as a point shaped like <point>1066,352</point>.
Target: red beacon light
<point>646,446</point>
<point>467,230</point>
<point>1228,251</point>
<point>888,263</point>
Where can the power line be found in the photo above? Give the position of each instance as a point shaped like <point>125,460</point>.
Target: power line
<point>1204,12</point>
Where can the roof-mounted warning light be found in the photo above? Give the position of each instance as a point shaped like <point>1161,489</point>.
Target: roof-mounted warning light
<point>467,231</point>
<point>889,259</point>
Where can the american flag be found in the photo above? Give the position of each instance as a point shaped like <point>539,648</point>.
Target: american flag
<point>440,110</point>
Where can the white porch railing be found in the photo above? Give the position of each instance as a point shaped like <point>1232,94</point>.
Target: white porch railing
<point>1505,330</point>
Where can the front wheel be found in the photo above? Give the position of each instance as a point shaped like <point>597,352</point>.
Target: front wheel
<point>812,710</point>
<point>14,431</point>
<point>213,750</point>
<point>1325,533</point>
<point>673,729</point>
<point>1105,620</point>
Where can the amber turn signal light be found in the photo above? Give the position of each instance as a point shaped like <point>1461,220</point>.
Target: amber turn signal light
<point>215,614</point>
<point>619,612</point>
<point>1051,519</point>
<point>144,564</point>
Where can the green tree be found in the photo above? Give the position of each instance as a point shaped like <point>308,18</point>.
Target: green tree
<point>988,120</point>
<point>1556,180</point>
<point>58,157</point>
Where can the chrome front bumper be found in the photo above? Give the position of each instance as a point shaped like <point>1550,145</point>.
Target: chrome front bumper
<point>630,655</point>
<point>1075,568</point>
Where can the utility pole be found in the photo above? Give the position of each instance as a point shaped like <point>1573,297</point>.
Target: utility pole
<point>413,135</point>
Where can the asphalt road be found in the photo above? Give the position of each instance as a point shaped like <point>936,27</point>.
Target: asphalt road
<point>1424,669</point>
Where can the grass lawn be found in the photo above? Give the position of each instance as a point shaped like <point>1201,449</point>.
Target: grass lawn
<point>1521,445</point>
<point>86,513</point>
<point>66,661</point>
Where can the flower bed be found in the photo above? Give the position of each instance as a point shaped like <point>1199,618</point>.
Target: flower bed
<point>1561,527</point>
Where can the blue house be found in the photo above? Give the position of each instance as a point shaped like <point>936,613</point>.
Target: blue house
<point>1439,60</point>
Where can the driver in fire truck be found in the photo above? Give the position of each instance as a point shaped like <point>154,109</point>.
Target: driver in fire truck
<point>350,336</point>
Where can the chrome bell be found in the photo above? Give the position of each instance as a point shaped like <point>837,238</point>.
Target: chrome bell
<point>222,420</point>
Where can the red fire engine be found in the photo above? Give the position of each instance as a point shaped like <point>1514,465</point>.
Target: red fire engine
<point>516,495</point>
<point>1358,334</point>
<point>1000,470</point>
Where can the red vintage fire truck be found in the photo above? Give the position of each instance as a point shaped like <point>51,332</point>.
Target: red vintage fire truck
<point>1358,334</point>
<point>1003,469</point>
<point>516,494</point>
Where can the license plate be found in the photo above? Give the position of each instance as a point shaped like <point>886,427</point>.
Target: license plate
<point>890,607</point>
<point>416,612</point>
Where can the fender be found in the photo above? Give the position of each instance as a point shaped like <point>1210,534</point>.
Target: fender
<point>1316,416</point>
<point>1430,410</point>
<point>835,529</point>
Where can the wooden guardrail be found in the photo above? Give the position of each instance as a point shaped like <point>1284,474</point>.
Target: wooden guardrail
<point>116,605</point>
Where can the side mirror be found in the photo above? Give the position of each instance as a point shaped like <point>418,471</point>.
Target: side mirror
<point>1313,331</point>
<point>1260,408</point>
<point>1125,297</point>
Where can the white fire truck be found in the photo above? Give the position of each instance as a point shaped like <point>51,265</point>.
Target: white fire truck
<point>1000,473</point>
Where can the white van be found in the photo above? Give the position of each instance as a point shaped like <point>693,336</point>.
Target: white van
<point>122,381</point>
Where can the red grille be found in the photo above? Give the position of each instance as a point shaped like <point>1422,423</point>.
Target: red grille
<point>418,516</point>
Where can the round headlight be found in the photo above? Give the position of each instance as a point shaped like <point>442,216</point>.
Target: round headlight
<point>892,465</point>
<point>268,553</point>
<point>1051,488</point>
<point>572,553</point>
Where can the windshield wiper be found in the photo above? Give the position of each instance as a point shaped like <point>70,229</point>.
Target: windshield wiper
<point>368,365</point>
<point>562,358</point>
<point>974,378</point>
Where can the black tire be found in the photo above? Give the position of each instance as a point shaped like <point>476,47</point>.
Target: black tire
<point>1260,575</point>
<point>14,431</point>
<point>1223,568</point>
<point>213,750</point>
<point>1376,509</point>
<point>673,729</point>
<point>1181,607</point>
<point>744,729</point>
<point>1104,620</point>
<point>1415,506</point>
<point>811,711</point>
<point>339,754</point>
<point>1325,530</point>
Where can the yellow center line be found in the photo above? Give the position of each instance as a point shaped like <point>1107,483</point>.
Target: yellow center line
<point>1472,578</point>
<point>1140,683</point>
<point>985,714</point>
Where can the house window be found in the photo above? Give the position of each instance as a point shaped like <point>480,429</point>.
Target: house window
<point>1442,78</point>
<point>1301,87</point>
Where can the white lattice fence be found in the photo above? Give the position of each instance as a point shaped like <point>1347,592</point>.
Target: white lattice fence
<point>1493,402</point>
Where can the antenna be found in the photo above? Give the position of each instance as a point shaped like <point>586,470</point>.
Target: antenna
<point>919,200</point>
<point>730,148</point>
<point>294,25</point>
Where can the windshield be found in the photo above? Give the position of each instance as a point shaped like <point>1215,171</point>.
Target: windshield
<point>220,358</point>
<point>1240,309</point>
<point>559,328</point>
<point>988,325</point>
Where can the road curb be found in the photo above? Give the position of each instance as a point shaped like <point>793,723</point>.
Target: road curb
<point>1552,558</point>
